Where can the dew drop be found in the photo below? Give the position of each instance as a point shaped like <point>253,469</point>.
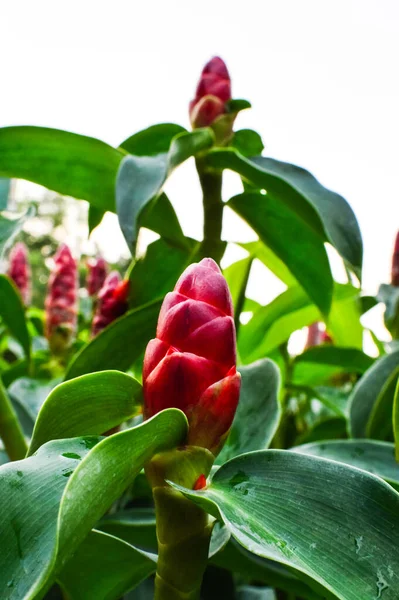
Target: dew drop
<point>72,455</point>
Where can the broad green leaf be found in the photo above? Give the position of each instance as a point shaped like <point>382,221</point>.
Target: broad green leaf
<point>104,568</point>
<point>94,217</point>
<point>366,392</point>
<point>165,263</point>
<point>335,523</point>
<point>71,164</point>
<point>325,429</point>
<point>160,216</point>
<point>258,413</point>
<point>30,393</point>
<point>119,344</point>
<point>350,359</point>
<point>10,225</point>
<point>249,566</point>
<point>379,424</point>
<point>326,212</point>
<point>90,404</point>
<point>141,178</point>
<point>389,295</point>
<point>12,313</point>
<point>5,186</point>
<point>237,276</point>
<point>372,456</point>
<point>50,501</point>
<point>314,374</point>
<point>248,592</point>
<point>277,226</point>
<point>136,527</point>
<point>273,324</point>
<point>248,142</point>
<point>344,323</point>
<point>395,420</point>
<point>153,140</point>
<point>271,261</point>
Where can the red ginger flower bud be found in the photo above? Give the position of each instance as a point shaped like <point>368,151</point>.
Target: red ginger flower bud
<point>317,336</point>
<point>213,93</point>
<point>97,272</point>
<point>395,263</point>
<point>191,364</point>
<point>112,302</point>
<point>19,270</point>
<point>61,301</point>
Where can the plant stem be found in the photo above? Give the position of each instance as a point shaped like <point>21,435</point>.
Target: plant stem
<point>10,428</point>
<point>211,185</point>
<point>183,528</point>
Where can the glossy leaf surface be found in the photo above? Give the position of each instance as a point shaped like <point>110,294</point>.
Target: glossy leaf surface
<point>90,404</point>
<point>336,524</point>
<point>68,163</point>
<point>51,500</point>
<point>366,393</point>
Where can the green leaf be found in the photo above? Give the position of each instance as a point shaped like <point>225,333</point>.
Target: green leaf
<point>141,178</point>
<point>395,420</point>
<point>248,142</point>
<point>94,217</point>
<point>165,263</point>
<point>277,226</point>
<point>366,392</point>
<point>326,212</point>
<point>258,413</point>
<point>160,216</point>
<point>249,566</point>
<point>104,568</point>
<point>375,457</point>
<point>344,323</point>
<point>70,164</point>
<point>153,140</point>
<point>30,393</point>
<point>389,295</point>
<point>237,276</point>
<point>136,527</point>
<point>335,523</point>
<point>273,324</point>
<point>379,424</point>
<point>119,344</point>
<point>5,186</point>
<point>325,429</point>
<point>271,261</point>
<point>235,105</point>
<point>12,313</point>
<point>90,404</point>
<point>10,225</point>
<point>350,359</point>
<point>50,501</point>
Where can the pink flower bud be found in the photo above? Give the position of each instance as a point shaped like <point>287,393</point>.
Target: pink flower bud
<point>213,93</point>
<point>191,364</point>
<point>317,336</point>
<point>97,272</point>
<point>61,301</point>
<point>112,302</point>
<point>395,263</point>
<point>19,270</point>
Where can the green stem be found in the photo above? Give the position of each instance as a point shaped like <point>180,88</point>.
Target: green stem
<point>211,185</point>
<point>10,429</point>
<point>183,528</point>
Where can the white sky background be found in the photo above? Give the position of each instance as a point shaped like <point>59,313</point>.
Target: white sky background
<point>322,77</point>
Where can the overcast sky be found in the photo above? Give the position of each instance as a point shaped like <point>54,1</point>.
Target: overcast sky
<point>322,77</point>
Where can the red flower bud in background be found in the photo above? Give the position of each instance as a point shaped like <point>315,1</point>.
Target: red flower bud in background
<point>112,302</point>
<point>395,263</point>
<point>213,93</point>
<point>97,272</point>
<point>19,270</point>
<point>191,364</point>
<point>317,336</point>
<point>61,301</point>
